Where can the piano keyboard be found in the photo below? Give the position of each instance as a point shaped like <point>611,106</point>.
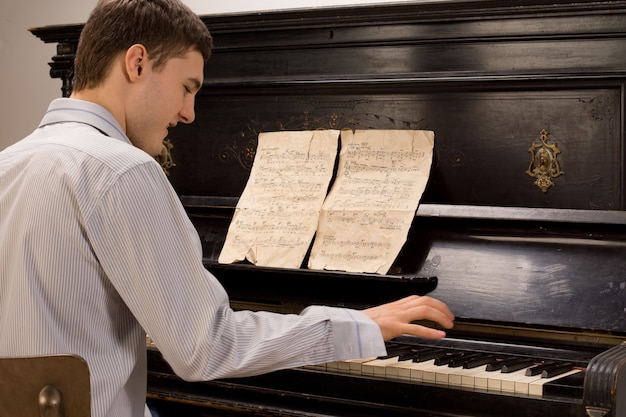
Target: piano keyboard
<point>455,368</point>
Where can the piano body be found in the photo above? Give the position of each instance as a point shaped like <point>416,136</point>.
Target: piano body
<point>522,227</point>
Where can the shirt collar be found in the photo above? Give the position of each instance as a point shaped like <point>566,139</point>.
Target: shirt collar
<point>81,111</point>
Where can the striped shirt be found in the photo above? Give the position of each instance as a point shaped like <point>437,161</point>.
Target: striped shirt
<point>96,251</point>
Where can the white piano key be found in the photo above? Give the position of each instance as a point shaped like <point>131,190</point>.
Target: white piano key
<point>343,367</point>
<point>355,365</point>
<point>481,382</point>
<point>484,380</point>
<point>466,377</point>
<point>332,366</point>
<point>497,381</point>
<point>377,367</point>
<point>522,385</point>
<point>443,374</point>
<point>416,369</point>
<point>481,378</point>
<point>427,372</point>
<point>400,370</point>
<point>455,378</point>
<point>508,380</point>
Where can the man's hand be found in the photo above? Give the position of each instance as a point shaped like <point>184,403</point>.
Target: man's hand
<point>394,318</point>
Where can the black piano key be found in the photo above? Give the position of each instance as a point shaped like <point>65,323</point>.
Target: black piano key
<point>494,366</point>
<point>429,355</point>
<point>460,362</point>
<point>446,359</point>
<point>499,363</point>
<point>517,365</point>
<point>538,369</point>
<point>480,361</point>
<point>557,370</point>
<point>412,353</point>
<point>399,351</point>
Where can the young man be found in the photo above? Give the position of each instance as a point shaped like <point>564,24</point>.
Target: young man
<point>96,250</point>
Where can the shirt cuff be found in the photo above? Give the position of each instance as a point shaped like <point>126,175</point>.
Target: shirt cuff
<point>354,334</point>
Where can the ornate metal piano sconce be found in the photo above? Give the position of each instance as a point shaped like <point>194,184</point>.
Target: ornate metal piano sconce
<point>544,165</point>
<point>165,157</point>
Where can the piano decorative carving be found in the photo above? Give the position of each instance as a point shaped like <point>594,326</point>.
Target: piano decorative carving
<point>165,157</point>
<point>528,273</point>
<point>62,66</point>
<point>544,163</point>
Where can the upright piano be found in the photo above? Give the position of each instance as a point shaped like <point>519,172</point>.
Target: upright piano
<point>521,229</point>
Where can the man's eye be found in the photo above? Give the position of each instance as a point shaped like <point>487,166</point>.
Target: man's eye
<point>187,89</point>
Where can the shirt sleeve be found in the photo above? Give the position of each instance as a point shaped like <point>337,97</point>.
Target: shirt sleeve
<point>355,335</point>
<point>150,251</point>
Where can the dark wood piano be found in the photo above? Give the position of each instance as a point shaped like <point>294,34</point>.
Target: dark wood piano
<point>521,230</point>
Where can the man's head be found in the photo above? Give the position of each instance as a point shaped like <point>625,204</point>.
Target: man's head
<point>143,61</point>
<point>167,28</point>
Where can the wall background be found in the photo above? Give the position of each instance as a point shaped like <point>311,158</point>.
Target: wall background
<point>25,85</point>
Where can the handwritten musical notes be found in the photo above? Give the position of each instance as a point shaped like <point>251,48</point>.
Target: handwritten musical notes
<point>360,226</point>
<point>367,215</point>
<point>277,213</point>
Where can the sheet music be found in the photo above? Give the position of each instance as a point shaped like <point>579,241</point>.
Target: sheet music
<point>277,214</point>
<point>366,217</point>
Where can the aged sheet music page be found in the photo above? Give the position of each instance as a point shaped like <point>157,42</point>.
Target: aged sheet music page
<point>277,213</point>
<point>366,217</point>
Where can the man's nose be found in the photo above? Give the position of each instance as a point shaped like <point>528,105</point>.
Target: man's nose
<point>187,114</point>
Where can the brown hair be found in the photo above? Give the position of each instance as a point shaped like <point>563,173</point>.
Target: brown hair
<point>167,28</point>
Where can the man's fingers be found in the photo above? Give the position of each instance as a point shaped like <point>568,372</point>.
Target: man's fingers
<point>431,313</point>
<point>423,332</point>
<point>433,303</point>
<point>397,317</point>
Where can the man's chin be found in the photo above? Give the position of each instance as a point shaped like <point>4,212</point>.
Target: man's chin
<point>156,150</point>
<point>150,152</point>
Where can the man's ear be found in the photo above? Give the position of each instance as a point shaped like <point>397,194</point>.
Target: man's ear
<point>135,61</point>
